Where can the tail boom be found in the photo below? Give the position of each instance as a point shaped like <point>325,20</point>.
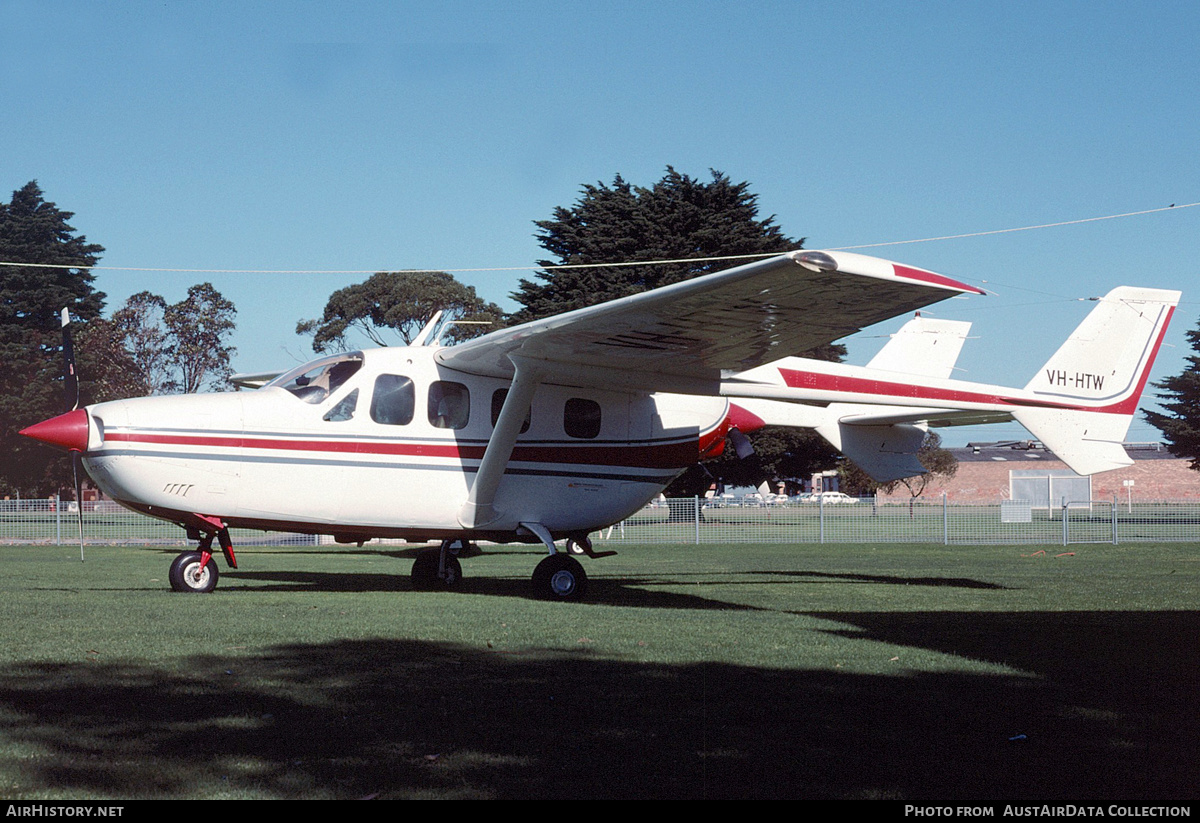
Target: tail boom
<point>1080,404</point>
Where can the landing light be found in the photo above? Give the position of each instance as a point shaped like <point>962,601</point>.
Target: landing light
<point>815,260</point>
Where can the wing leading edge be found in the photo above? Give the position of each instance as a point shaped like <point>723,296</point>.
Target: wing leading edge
<point>683,337</point>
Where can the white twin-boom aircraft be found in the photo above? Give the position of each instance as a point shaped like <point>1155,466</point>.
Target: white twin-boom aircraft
<point>551,430</point>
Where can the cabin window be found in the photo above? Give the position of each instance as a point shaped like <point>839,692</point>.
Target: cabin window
<point>344,410</point>
<point>393,401</point>
<point>314,382</point>
<point>581,418</point>
<point>449,405</point>
<point>498,403</point>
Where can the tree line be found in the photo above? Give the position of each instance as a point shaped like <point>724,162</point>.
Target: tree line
<point>148,346</point>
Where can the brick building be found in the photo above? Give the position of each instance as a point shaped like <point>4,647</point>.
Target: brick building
<point>988,472</point>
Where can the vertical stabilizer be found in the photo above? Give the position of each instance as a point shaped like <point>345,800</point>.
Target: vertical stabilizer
<point>923,346</point>
<point>1092,385</point>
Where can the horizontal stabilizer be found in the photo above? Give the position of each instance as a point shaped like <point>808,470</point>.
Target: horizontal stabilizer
<point>1088,442</point>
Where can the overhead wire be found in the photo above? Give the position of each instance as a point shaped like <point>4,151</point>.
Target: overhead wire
<point>622,264</point>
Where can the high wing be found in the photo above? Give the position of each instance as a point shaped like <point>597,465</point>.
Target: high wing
<point>683,337</point>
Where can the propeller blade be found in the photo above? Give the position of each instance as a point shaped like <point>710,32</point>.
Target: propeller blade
<point>70,378</point>
<point>75,466</point>
<point>70,404</point>
<point>741,443</point>
<point>745,452</point>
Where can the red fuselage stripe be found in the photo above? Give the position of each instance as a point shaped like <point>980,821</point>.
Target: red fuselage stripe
<point>664,455</point>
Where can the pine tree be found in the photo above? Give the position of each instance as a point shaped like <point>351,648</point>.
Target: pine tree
<point>1180,396</point>
<point>35,231</point>
<point>679,218</point>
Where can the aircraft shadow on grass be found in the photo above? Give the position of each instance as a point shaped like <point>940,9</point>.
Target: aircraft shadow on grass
<point>892,580</point>
<point>625,591</point>
<point>636,591</point>
<point>1102,705</point>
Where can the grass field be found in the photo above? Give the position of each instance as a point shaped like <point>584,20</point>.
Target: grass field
<point>906,672</point>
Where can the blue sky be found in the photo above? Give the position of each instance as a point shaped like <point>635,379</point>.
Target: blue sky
<point>364,136</point>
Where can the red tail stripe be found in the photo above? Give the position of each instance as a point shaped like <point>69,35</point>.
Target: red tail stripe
<point>885,388</point>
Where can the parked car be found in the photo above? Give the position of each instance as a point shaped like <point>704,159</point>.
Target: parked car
<point>827,498</point>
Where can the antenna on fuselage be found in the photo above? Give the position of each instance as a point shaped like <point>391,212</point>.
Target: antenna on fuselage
<point>446,327</point>
<point>425,335</point>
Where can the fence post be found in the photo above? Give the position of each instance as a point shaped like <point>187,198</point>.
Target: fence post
<point>696,516</point>
<point>945,523</point>
<point>57,519</point>
<point>1114,518</point>
<point>821,512</point>
<point>1065,515</point>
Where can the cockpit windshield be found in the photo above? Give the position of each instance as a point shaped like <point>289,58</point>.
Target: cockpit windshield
<point>315,381</point>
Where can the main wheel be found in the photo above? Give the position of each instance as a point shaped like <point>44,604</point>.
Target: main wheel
<point>559,577</point>
<point>425,571</point>
<point>186,575</point>
<point>579,545</point>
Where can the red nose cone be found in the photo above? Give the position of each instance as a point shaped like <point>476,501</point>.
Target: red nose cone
<point>70,430</point>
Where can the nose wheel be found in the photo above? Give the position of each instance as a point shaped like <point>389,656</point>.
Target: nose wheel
<point>194,572</point>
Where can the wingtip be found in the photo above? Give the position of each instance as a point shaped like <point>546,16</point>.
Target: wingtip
<point>935,279</point>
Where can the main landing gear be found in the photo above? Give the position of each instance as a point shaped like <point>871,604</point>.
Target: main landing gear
<point>557,577</point>
<point>439,568</point>
<point>196,571</point>
<point>560,576</point>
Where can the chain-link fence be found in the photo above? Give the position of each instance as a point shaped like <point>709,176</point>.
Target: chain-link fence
<point>53,520</point>
<point>697,520</point>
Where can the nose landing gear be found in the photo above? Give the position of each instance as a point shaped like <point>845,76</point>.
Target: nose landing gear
<point>196,571</point>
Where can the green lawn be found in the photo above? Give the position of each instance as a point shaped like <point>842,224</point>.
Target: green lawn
<point>909,672</point>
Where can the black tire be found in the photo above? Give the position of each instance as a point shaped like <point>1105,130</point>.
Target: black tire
<point>560,577</point>
<point>579,545</point>
<point>425,571</point>
<point>187,576</point>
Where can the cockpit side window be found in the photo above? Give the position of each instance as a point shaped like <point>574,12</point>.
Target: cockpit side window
<point>393,400</point>
<point>344,410</point>
<point>314,382</point>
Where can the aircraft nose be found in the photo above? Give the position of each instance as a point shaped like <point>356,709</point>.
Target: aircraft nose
<point>68,431</point>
